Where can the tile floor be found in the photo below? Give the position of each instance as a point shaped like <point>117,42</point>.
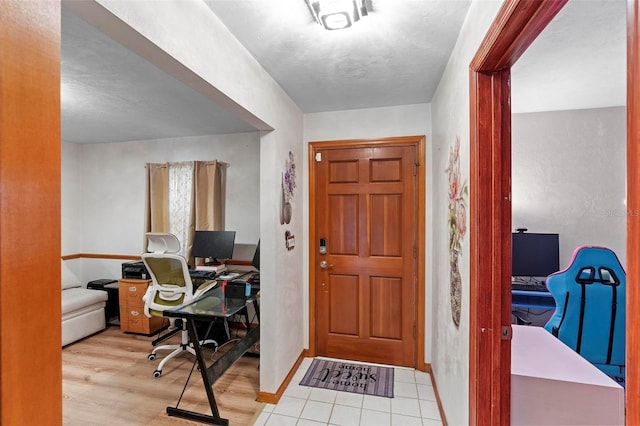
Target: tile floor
<point>414,403</point>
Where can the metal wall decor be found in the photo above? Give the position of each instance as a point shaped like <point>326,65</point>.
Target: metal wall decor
<point>288,185</point>
<point>289,240</point>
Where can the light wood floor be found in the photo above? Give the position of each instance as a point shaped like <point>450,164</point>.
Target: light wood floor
<point>107,380</point>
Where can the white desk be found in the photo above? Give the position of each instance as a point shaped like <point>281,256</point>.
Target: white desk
<point>553,385</point>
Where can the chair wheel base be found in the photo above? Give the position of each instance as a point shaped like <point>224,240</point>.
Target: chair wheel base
<point>157,373</point>
<point>151,357</point>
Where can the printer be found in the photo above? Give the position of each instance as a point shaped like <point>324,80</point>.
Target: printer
<point>135,270</point>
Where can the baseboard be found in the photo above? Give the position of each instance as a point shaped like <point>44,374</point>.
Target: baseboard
<point>273,398</point>
<point>435,391</point>
<point>135,257</point>
<point>425,367</point>
<point>100,256</point>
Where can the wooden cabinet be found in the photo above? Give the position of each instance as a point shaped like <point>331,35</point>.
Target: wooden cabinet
<point>132,317</point>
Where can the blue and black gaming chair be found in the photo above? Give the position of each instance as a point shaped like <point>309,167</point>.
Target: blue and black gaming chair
<point>590,308</point>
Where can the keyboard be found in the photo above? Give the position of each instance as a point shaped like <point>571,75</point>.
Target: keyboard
<point>529,287</point>
<point>197,274</point>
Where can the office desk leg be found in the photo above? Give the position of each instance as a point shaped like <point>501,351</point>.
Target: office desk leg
<point>215,418</point>
<point>256,307</point>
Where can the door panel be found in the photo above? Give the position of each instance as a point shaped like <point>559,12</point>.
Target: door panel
<point>386,300</point>
<point>386,225</point>
<point>366,293</point>
<point>343,215</point>
<point>344,305</point>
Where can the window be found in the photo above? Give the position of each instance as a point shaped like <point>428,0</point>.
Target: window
<point>185,196</point>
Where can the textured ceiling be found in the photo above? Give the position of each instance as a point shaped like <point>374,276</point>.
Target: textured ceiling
<point>110,94</point>
<point>393,56</point>
<point>578,62</point>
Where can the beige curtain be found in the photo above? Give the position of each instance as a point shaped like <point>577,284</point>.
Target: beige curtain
<point>205,192</point>
<point>157,204</point>
<point>209,200</point>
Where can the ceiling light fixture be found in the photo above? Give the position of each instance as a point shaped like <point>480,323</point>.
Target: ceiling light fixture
<point>337,14</point>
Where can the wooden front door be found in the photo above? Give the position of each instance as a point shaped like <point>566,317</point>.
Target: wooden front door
<point>365,262</point>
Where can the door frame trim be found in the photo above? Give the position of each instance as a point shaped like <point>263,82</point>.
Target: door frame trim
<point>632,390</point>
<point>419,142</point>
<point>517,24</point>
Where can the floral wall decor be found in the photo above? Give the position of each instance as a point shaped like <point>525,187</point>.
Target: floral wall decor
<point>288,185</point>
<point>457,224</point>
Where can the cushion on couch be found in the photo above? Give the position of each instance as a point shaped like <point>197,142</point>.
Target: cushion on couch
<point>67,285</point>
<point>79,297</point>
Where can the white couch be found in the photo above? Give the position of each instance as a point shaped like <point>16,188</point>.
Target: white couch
<point>82,312</point>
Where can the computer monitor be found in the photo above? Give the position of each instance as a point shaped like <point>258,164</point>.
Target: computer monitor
<point>534,255</point>
<point>214,245</point>
<point>256,257</point>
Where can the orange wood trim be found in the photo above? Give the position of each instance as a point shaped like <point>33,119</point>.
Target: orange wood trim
<point>443,416</point>
<point>268,397</point>
<point>31,384</point>
<point>515,27</point>
<point>273,398</point>
<point>502,224</point>
<point>71,256</point>
<point>517,24</point>
<point>313,250</point>
<point>100,256</point>
<point>420,143</point>
<point>477,404</point>
<point>355,143</point>
<point>421,256</point>
<point>483,345</point>
<point>632,389</point>
<point>132,257</point>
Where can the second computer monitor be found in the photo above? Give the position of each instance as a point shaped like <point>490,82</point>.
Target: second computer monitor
<point>256,257</point>
<point>215,245</point>
<point>534,255</point>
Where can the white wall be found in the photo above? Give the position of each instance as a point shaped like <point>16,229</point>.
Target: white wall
<point>404,120</point>
<point>568,177</point>
<point>71,212</point>
<point>71,197</point>
<point>450,116</point>
<point>103,190</point>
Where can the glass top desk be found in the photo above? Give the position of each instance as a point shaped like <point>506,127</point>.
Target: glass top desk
<point>208,307</point>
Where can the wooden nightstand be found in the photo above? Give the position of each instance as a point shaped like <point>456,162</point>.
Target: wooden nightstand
<point>132,317</point>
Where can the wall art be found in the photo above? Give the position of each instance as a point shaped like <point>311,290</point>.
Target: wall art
<point>289,240</point>
<point>288,185</point>
<point>457,224</point>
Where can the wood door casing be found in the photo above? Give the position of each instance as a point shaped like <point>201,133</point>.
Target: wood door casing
<point>30,147</point>
<point>632,389</point>
<point>515,27</point>
<point>366,211</point>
